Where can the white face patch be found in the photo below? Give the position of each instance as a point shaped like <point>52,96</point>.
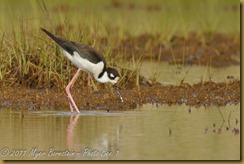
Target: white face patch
<point>111,75</point>
<point>116,80</point>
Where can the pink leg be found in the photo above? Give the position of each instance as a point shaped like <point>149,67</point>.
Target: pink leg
<point>71,107</point>
<point>71,100</point>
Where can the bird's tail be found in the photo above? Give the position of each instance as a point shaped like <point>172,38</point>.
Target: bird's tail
<point>56,39</point>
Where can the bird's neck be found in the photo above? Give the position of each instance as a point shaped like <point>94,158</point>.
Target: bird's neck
<point>103,77</point>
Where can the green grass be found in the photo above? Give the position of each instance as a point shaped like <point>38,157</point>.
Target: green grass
<point>29,58</point>
<point>172,16</point>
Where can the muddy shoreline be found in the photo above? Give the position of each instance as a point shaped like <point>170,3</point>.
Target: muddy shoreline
<point>213,49</point>
<point>201,94</point>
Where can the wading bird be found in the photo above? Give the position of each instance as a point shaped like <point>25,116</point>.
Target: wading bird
<point>87,59</point>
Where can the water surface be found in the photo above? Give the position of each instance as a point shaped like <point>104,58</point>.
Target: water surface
<point>163,133</point>
<point>174,74</point>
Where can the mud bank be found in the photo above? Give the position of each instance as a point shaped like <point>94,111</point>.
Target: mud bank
<point>215,49</point>
<point>201,94</point>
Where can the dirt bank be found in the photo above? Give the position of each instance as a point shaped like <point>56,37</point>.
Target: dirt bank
<point>215,49</point>
<point>201,94</point>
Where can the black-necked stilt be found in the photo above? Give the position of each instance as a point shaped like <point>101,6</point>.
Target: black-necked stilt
<point>87,59</point>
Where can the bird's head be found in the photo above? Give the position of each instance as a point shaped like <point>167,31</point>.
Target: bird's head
<point>111,75</point>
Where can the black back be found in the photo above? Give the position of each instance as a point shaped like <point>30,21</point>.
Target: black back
<point>85,51</point>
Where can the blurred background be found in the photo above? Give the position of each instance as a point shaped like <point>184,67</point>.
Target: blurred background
<point>203,32</point>
<point>132,30</point>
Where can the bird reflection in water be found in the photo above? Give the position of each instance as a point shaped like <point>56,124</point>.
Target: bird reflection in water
<point>70,130</point>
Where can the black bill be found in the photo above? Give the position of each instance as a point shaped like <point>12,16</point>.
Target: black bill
<point>117,88</point>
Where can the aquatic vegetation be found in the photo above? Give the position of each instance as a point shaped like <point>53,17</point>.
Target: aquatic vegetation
<point>119,31</point>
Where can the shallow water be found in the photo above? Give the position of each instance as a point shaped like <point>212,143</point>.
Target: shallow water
<point>173,74</point>
<point>166,133</point>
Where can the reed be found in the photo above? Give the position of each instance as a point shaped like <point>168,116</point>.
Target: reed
<point>29,58</point>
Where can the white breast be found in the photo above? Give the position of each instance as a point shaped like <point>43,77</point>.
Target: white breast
<point>84,64</point>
